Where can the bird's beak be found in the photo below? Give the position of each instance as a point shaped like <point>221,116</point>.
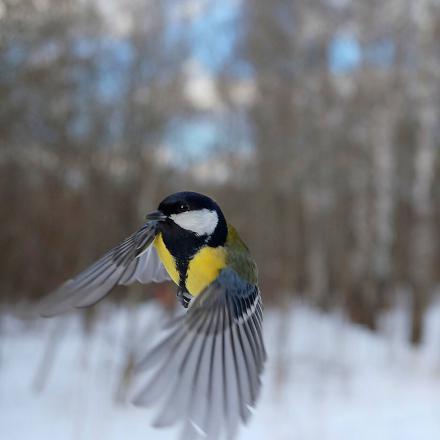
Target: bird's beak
<point>156,216</point>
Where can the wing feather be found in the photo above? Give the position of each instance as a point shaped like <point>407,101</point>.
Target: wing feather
<point>206,371</point>
<point>132,260</point>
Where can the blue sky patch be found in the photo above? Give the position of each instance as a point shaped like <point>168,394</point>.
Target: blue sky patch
<point>344,54</point>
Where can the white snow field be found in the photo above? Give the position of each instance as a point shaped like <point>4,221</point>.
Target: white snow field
<point>326,379</point>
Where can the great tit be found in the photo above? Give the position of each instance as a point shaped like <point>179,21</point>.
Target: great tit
<point>206,371</point>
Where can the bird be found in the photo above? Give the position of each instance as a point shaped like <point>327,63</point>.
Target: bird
<point>205,371</point>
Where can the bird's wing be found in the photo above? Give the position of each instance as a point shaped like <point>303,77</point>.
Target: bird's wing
<point>206,371</point>
<point>135,259</point>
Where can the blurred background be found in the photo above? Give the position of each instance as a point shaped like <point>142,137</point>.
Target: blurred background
<point>313,123</point>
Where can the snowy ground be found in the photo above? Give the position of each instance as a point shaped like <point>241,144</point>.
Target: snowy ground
<point>325,380</point>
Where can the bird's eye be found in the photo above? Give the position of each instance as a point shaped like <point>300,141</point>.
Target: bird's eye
<point>183,208</point>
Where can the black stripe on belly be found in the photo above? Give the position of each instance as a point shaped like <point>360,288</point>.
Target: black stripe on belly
<point>182,245</point>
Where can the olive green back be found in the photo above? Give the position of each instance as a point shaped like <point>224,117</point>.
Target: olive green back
<point>239,258</point>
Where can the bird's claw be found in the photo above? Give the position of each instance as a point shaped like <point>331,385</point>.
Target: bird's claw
<point>184,298</point>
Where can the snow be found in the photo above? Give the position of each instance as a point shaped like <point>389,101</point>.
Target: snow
<point>325,379</point>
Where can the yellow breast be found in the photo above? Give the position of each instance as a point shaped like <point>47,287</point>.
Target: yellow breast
<point>167,259</point>
<point>204,268</point>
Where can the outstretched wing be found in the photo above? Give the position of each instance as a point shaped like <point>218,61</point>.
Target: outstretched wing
<point>206,371</point>
<point>132,260</point>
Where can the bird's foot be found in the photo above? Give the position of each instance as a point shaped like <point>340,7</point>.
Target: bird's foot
<point>184,298</point>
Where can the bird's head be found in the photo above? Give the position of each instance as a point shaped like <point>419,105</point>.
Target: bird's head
<point>193,215</point>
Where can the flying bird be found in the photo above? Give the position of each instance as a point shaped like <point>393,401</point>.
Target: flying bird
<point>206,370</point>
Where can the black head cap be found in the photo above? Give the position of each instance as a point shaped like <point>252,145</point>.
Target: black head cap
<point>191,201</point>
<point>187,201</point>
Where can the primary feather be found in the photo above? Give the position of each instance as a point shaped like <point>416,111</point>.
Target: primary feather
<point>206,370</point>
<point>132,260</point>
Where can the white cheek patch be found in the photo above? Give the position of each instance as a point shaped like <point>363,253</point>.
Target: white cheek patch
<point>201,222</point>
